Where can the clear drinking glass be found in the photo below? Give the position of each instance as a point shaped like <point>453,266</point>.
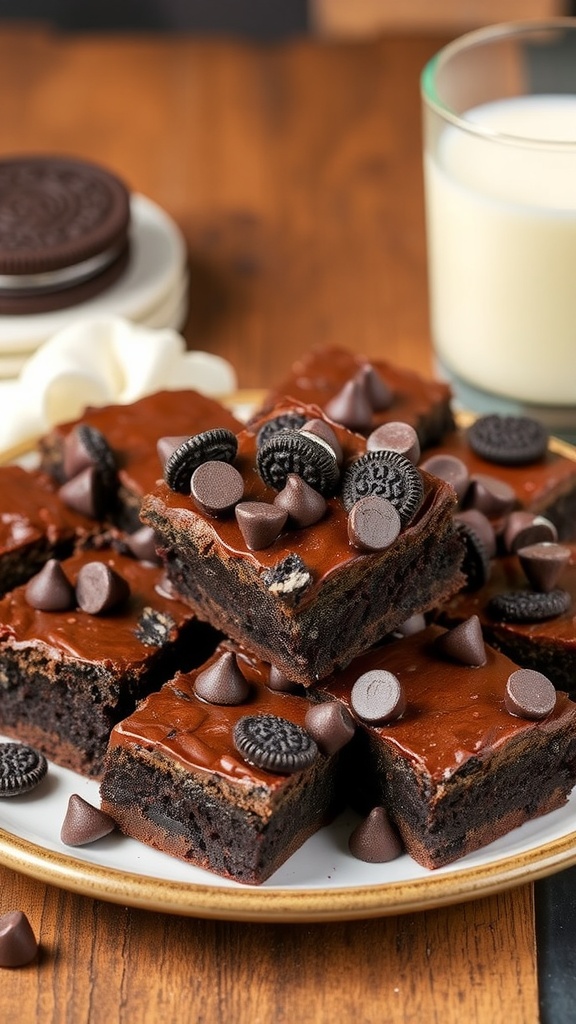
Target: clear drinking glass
<point>499,111</point>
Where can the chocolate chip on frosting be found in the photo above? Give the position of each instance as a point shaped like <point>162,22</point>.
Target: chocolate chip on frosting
<point>351,406</point>
<point>543,564</point>
<point>216,445</point>
<point>529,694</point>
<point>260,523</point>
<point>50,590</point>
<point>331,725</point>
<point>222,682</point>
<point>481,526</point>
<point>274,743</point>
<point>451,469</point>
<point>378,696</point>
<point>375,840</point>
<point>379,394</point>
<point>490,495</point>
<point>18,945</point>
<point>373,523</point>
<point>523,528</point>
<point>387,474</point>
<point>216,487</point>
<point>83,823</point>
<point>395,437</point>
<point>464,643</point>
<point>142,544</point>
<point>302,504</point>
<point>85,493</point>
<point>100,589</point>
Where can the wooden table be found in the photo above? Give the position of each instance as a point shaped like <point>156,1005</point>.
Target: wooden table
<point>295,174</point>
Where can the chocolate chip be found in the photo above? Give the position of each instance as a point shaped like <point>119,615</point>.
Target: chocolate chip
<point>395,437</point>
<point>216,487</point>
<point>291,420</point>
<point>289,578</point>
<point>464,643</point>
<point>375,840</point>
<point>260,523</point>
<point>142,544</point>
<point>387,474</point>
<point>290,451</point>
<point>166,446</point>
<point>85,447</point>
<point>84,823</point>
<point>528,605</point>
<point>489,495</point>
<point>373,523</point>
<point>155,628</point>
<point>222,682</point>
<point>476,563</point>
<point>21,768</point>
<point>274,743</point>
<point>481,526</point>
<point>351,406</point>
<point>99,588</point>
<point>50,590</point>
<point>523,528</point>
<point>216,445</point>
<point>529,694</point>
<point>302,504</point>
<point>451,469</point>
<point>323,430</point>
<point>508,440</point>
<point>543,564</point>
<point>379,394</point>
<point>85,493</point>
<point>378,696</point>
<point>279,682</point>
<point>18,945</point>
<point>330,725</point>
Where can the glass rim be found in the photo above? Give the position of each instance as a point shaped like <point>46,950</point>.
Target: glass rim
<point>479,36</point>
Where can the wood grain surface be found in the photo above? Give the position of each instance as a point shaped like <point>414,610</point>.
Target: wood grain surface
<point>295,173</point>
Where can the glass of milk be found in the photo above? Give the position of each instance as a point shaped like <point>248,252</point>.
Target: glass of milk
<point>500,183</point>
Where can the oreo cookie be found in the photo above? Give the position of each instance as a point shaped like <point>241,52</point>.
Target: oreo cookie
<point>508,440</point>
<point>388,474</point>
<point>528,605</point>
<point>274,743</point>
<point>289,451</point>
<point>21,768</point>
<point>216,445</point>
<point>85,447</point>
<point>289,578</point>
<point>476,561</point>
<point>284,421</point>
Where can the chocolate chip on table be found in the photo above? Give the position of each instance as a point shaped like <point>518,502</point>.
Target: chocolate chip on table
<point>451,469</point>
<point>387,474</point>
<point>528,605</point>
<point>83,823</point>
<point>142,544</point>
<point>260,523</point>
<point>490,495</point>
<point>481,526</point>
<point>290,451</point>
<point>99,588</point>
<point>330,725</point>
<point>291,420</point>
<point>50,590</point>
<point>523,528</point>
<point>216,445</point>
<point>543,564</point>
<point>216,487</point>
<point>320,428</point>
<point>395,437</point>
<point>351,406</point>
<point>508,440</point>
<point>378,696</point>
<point>373,523</point>
<point>222,682</point>
<point>464,643</point>
<point>302,504</point>
<point>21,768</point>
<point>379,393</point>
<point>85,493</point>
<point>476,563</point>
<point>375,840</point>
<point>85,447</point>
<point>529,694</point>
<point>274,743</point>
<point>18,945</point>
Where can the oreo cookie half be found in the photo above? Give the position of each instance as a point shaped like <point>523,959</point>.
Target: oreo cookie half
<point>216,445</point>
<point>388,474</point>
<point>21,768</point>
<point>289,451</point>
<point>274,743</point>
<point>529,605</point>
<point>508,440</point>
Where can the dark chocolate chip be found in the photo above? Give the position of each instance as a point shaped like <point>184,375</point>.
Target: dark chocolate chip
<point>18,945</point>
<point>523,528</point>
<point>166,446</point>
<point>21,768</point>
<point>528,605</point>
<point>378,696</point>
<point>289,578</point>
<point>464,643</point>
<point>388,474</point>
<point>302,504</point>
<point>50,590</point>
<point>543,564</point>
<point>529,694</point>
<point>351,406</point>
<point>216,445</point>
<point>291,420</point>
<point>99,588</point>
<point>508,440</point>
<point>330,725</point>
<point>379,393</point>
<point>375,840</point>
<point>84,823</point>
<point>476,563</point>
<point>85,493</point>
<point>323,430</point>
<point>373,523</point>
<point>222,682</point>
<point>290,451</point>
<point>451,469</point>
<point>395,437</point>
<point>280,683</point>
<point>482,528</point>
<point>142,544</point>
<point>85,447</point>
<point>489,495</point>
<point>274,743</point>
<point>260,523</point>
<point>216,487</point>
<point>155,628</point>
